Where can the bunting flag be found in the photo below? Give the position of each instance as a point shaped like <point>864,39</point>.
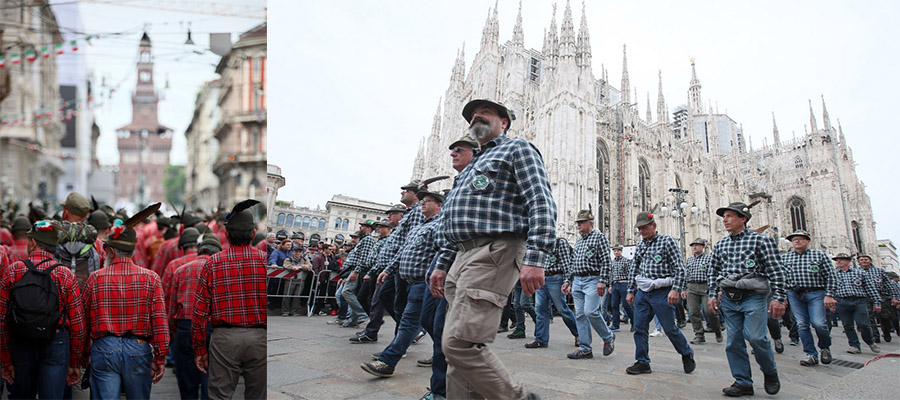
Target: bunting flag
<point>15,58</point>
<point>2,61</point>
<point>45,51</point>
<point>74,45</point>
<point>30,56</point>
<point>59,48</point>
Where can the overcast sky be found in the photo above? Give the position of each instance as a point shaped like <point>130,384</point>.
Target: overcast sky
<point>358,82</point>
<point>112,58</point>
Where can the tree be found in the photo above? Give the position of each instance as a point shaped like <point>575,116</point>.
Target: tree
<point>173,184</point>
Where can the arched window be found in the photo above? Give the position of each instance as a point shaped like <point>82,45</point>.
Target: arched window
<point>337,223</point>
<point>797,209</point>
<point>298,222</point>
<point>603,185</point>
<point>346,224</point>
<point>306,222</point>
<point>290,220</point>
<point>857,237</point>
<point>321,224</point>
<point>798,162</point>
<point>314,223</point>
<point>280,220</point>
<point>644,185</point>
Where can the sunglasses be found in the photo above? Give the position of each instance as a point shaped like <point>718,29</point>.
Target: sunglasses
<point>458,149</point>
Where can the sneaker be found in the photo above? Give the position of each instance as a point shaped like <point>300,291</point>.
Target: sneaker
<point>876,338</point>
<point>284,314</point>
<point>535,345</point>
<point>656,333</point>
<point>431,396</point>
<point>322,313</point>
<point>638,368</point>
<point>772,384</point>
<point>682,324</point>
<point>809,361</point>
<point>426,362</point>
<point>738,390</point>
<point>615,329</point>
<point>419,337</point>
<point>578,354</point>
<point>795,342</point>
<point>853,350</point>
<point>825,354</point>
<point>779,346</point>
<point>718,337</point>
<point>874,348</point>
<point>363,339</point>
<point>517,334</point>
<point>336,321</point>
<point>378,368</point>
<point>698,340</point>
<point>350,324</point>
<point>502,329</point>
<point>688,362</point>
<point>887,337</point>
<point>532,396</point>
<point>609,346</point>
<point>375,356</point>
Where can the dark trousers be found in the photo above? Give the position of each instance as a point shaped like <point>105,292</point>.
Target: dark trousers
<point>788,321</point>
<point>522,304</point>
<point>40,369</point>
<point>434,311</point>
<point>873,319</point>
<point>382,301</point>
<point>401,291</point>
<point>853,310</point>
<point>889,320</point>
<point>192,384</point>
<point>507,313</point>
<point>366,290</point>
<point>619,291</point>
<point>273,288</point>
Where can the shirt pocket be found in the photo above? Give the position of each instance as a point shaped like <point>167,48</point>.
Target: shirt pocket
<point>487,176</point>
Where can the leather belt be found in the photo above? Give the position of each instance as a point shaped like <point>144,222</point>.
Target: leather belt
<point>471,244</point>
<point>583,274</point>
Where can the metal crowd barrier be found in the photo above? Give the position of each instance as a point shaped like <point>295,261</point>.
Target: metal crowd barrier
<point>288,279</point>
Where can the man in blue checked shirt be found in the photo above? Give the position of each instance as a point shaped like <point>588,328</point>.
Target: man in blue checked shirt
<point>358,259</point>
<point>410,265</point>
<point>551,293</point>
<point>657,280</point>
<point>810,277</point>
<point>585,281</point>
<point>500,218</point>
<point>620,278</point>
<point>696,274</point>
<point>854,288</point>
<point>747,257</point>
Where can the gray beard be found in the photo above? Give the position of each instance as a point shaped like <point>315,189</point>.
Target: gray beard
<point>479,132</point>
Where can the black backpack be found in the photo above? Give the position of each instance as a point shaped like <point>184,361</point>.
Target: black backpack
<point>34,305</point>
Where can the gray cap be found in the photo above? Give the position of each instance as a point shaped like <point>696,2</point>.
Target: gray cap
<point>842,256</point>
<point>741,208</point>
<point>77,204</point>
<point>800,233</point>
<point>644,218</point>
<point>699,241</point>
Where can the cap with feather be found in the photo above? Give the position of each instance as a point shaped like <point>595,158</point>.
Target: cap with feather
<point>741,208</point>
<point>122,235</point>
<point>240,218</point>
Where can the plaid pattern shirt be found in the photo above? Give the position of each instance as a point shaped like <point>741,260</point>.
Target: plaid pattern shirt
<point>621,269</point>
<point>410,221</point>
<point>812,269</point>
<point>696,268</point>
<point>503,190</point>
<point>18,251</point>
<point>5,261</point>
<point>167,252</point>
<point>373,255</point>
<point>745,253</point>
<point>658,258</point>
<point>590,256</point>
<point>172,266</point>
<point>231,291</point>
<point>416,255</point>
<point>180,299</point>
<point>561,260</point>
<point>70,311</point>
<point>6,237</point>
<point>880,279</point>
<point>125,299</point>
<point>855,282</point>
<point>382,256</point>
<point>359,256</point>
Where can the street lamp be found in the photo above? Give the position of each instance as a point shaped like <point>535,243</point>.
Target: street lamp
<point>679,209</point>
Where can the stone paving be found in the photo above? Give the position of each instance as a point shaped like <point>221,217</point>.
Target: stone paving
<point>308,359</point>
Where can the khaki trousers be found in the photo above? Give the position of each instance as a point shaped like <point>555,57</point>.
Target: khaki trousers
<point>235,352</point>
<point>696,297</point>
<point>476,290</point>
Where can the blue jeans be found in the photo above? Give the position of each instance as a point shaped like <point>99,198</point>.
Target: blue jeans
<point>192,384</point>
<point>587,311</point>
<point>522,305</point>
<point>434,311</point>
<point>120,363</point>
<point>809,309</point>
<point>40,369</point>
<point>552,292</point>
<point>409,325</point>
<point>850,310</point>
<point>746,320</point>
<point>618,293</point>
<point>646,306</point>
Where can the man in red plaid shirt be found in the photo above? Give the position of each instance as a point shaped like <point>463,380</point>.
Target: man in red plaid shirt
<point>39,368</point>
<point>170,250</point>
<point>187,243</point>
<point>126,313</point>
<point>231,296</point>
<point>180,305</point>
<point>19,249</point>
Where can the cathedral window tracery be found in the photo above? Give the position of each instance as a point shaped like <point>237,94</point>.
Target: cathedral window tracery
<point>797,209</point>
<point>644,184</point>
<point>857,237</point>
<point>602,187</point>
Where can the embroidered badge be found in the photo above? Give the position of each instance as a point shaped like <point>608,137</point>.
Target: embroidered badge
<point>857,282</point>
<point>813,268</point>
<point>418,240</point>
<point>657,258</point>
<point>750,263</point>
<point>589,254</point>
<point>552,259</point>
<point>480,182</point>
<point>703,268</point>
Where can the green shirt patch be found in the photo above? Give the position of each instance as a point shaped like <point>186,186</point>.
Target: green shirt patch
<point>750,263</point>
<point>813,268</point>
<point>589,254</point>
<point>480,182</point>
<point>657,258</point>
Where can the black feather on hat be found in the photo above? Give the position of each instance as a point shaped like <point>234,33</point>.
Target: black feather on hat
<point>239,218</point>
<point>122,235</point>
<point>35,214</point>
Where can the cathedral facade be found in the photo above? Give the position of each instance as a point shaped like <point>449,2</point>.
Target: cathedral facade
<point>600,151</point>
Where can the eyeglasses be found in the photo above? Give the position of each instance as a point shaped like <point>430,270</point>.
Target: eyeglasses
<point>428,201</point>
<point>458,149</point>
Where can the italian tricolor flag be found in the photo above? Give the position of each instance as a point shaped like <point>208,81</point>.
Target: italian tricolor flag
<point>59,48</point>
<point>45,51</point>
<point>74,44</point>
<point>30,56</point>
<point>15,58</point>
<point>2,61</point>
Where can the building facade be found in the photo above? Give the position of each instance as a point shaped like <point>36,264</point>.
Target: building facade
<point>241,163</point>
<point>340,217</point>
<point>201,184</point>
<point>274,181</point>
<point>887,256</point>
<point>144,144</point>
<point>30,133</point>
<point>600,151</point>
